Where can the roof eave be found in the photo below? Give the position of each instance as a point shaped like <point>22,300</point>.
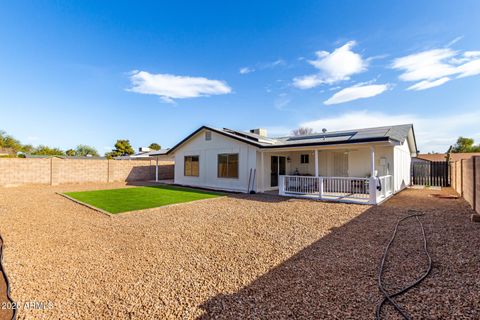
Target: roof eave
<point>214,130</point>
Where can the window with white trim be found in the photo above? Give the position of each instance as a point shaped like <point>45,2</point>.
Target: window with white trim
<point>227,166</point>
<point>304,158</point>
<point>191,166</point>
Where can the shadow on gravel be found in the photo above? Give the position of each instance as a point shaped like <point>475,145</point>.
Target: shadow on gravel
<point>6,312</point>
<point>335,277</point>
<point>261,197</point>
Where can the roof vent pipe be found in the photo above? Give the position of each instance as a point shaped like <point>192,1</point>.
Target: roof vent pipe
<point>324,130</point>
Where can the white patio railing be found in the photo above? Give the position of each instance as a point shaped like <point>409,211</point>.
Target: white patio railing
<point>346,187</point>
<point>385,184</point>
<point>350,189</point>
<point>300,184</point>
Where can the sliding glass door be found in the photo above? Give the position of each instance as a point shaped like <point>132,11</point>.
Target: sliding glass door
<point>278,166</point>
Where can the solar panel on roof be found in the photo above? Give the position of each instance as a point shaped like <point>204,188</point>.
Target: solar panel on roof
<point>341,135</point>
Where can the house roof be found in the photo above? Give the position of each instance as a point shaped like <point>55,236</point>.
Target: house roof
<point>398,133</point>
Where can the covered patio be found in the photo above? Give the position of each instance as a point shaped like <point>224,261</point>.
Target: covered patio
<point>360,174</point>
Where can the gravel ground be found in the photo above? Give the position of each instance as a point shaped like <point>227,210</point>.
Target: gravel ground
<point>243,256</point>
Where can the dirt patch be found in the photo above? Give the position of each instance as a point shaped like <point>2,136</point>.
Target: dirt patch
<point>243,256</point>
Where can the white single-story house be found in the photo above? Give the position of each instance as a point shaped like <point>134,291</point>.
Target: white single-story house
<point>358,165</point>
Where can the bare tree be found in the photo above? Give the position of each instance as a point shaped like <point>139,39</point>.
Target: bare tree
<point>302,131</point>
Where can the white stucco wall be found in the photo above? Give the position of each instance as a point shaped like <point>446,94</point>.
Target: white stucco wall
<point>303,168</point>
<point>359,161</point>
<point>208,157</point>
<point>403,159</point>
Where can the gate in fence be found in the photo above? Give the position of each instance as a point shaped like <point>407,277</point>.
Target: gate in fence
<point>430,173</point>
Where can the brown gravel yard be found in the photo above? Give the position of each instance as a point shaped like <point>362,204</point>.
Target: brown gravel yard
<point>242,256</point>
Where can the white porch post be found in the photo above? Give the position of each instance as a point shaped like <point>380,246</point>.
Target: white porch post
<point>156,170</point>
<point>320,187</point>
<point>281,185</point>
<point>319,180</point>
<point>373,179</point>
<point>262,164</point>
<point>372,161</point>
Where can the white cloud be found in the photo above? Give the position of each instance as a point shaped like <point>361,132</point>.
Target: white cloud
<point>170,87</point>
<point>335,66</point>
<point>246,70</point>
<point>33,138</point>
<point>426,84</point>
<point>276,63</point>
<point>468,69</point>
<point>426,65</point>
<point>263,66</point>
<point>308,82</point>
<point>471,54</point>
<point>435,67</point>
<point>356,92</point>
<point>433,133</point>
<point>282,101</point>
<point>451,43</point>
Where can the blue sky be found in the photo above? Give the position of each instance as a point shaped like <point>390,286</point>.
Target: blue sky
<point>91,72</point>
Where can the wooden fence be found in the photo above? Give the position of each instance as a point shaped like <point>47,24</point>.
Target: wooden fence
<point>430,173</point>
<point>465,178</point>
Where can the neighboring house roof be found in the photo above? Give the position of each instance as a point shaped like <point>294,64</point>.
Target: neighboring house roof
<point>63,157</point>
<point>443,156</point>
<point>82,157</point>
<point>40,156</point>
<point>397,133</point>
<point>160,152</point>
<point>143,155</point>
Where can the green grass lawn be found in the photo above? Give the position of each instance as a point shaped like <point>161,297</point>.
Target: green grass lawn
<point>137,198</point>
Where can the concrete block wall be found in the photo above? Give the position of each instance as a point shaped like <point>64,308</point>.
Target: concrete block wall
<point>465,180</point>
<point>477,184</point>
<point>131,170</point>
<point>18,171</point>
<point>453,175</point>
<point>24,171</point>
<point>456,176</point>
<point>458,182</point>
<point>78,170</point>
<point>166,170</point>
